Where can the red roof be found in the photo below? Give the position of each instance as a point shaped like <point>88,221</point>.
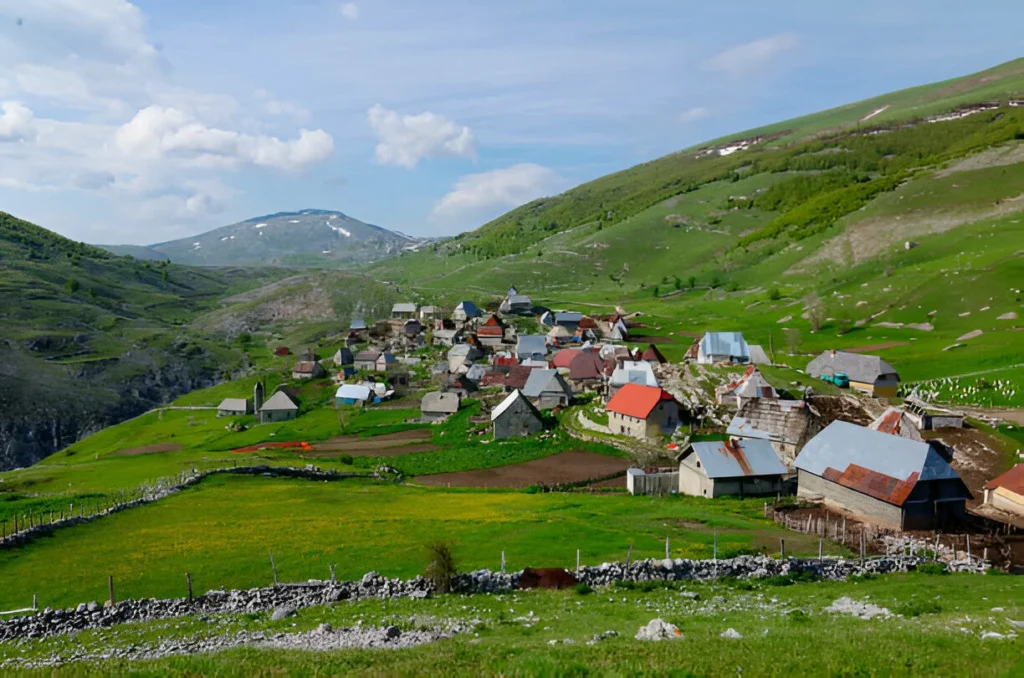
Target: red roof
<point>653,355</point>
<point>493,379</point>
<point>874,484</point>
<point>587,365</point>
<point>587,323</point>
<point>493,321</point>
<point>1012,480</point>
<point>742,380</point>
<point>636,400</point>
<point>565,358</point>
<point>517,376</point>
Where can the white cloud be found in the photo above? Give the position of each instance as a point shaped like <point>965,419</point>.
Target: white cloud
<point>156,131</point>
<point>404,140</point>
<point>741,60</point>
<point>350,10</point>
<point>278,107</point>
<point>694,114</point>
<point>478,195</point>
<point>17,122</point>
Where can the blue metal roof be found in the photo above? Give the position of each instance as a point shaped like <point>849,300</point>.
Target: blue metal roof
<point>532,344</point>
<point>470,309</point>
<point>843,443</point>
<point>357,324</point>
<point>738,458</point>
<point>731,344</point>
<point>545,381</point>
<point>568,317</point>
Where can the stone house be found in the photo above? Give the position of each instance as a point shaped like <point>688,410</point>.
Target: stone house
<point>734,467</point>
<point>882,478</point>
<point>723,347</point>
<point>547,389</point>
<point>786,424</point>
<point>447,337</point>
<point>1006,493</point>
<point>516,417</point>
<point>867,373</point>
<point>631,372</point>
<point>748,387</point>
<point>404,311</point>
<point>385,361</point>
<point>308,369</point>
<point>233,407</point>
<point>517,304</point>
<point>367,360</point>
<point>431,313</point>
<point>436,406</point>
<point>279,407</point>
<point>465,312</point>
<point>643,412</point>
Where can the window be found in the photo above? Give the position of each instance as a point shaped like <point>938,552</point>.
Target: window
<point>698,464</point>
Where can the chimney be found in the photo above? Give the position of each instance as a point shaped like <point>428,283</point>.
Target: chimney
<point>832,353</point>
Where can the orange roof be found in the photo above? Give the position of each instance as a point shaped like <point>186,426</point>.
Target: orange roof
<point>1012,480</point>
<point>637,400</point>
<point>874,484</point>
<point>565,358</point>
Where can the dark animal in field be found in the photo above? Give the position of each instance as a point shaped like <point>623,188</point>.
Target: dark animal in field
<point>546,578</point>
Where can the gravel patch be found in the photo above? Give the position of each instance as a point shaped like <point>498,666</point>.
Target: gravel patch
<point>859,609</point>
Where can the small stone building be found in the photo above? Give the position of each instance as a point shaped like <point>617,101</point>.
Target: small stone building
<point>643,412</point>
<point>436,406</point>
<point>233,407</point>
<point>734,467</point>
<point>1006,493</point>
<point>404,311</point>
<point>308,369</point>
<point>867,373</point>
<point>279,407</point>
<point>786,424</point>
<point>547,389</point>
<point>516,417</point>
<point>367,360</point>
<point>748,387</point>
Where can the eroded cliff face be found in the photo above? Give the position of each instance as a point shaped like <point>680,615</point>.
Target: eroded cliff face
<point>46,407</point>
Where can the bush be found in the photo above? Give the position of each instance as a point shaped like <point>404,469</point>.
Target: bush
<point>774,294</point>
<point>346,459</point>
<point>441,566</point>
<point>932,568</point>
<point>583,589</point>
<point>915,608</point>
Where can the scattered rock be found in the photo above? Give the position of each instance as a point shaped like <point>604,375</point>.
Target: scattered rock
<point>1008,316</point>
<point>658,629</point>
<point>282,613</point>
<point>923,327</point>
<point>992,635</point>
<point>953,346</point>
<point>970,335</point>
<point>392,632</point>
<point>862,610</point>
<point>731,633</point>
<point>324,628</point>
<point>786,319</point>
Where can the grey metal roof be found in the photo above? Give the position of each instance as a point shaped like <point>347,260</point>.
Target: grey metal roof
<point>357,324</point>
<point>507,403</point>
<point>758,356</point>
<point>858,367</point>
<point>634,372</point>
<point>477,372</point>
<point>404,307</point>
<point>343,356</point>
<point>756,386</point>
<point>520,300</point>
<point>545,381</point>
<point>447,403</point>
<point>843,443</point>
<point>369,354</point>
<point>279,401</point>
<point>738,458</point>
<point>353,392</point>
<point>431,309</point>
<point>568,317</point>
<point>234,404</point>
<point>731,344</point>
<point>531,344</point>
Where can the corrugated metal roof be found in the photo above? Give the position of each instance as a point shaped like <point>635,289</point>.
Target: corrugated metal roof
<point>367,355</point>
<point>520,300</point>
<point>507,402</point>
<point>568,317</point>
<point>447,403</point>
<point>404,307</point>
<point>531,345</point>
<point>1012,480</point>
<point>731,344</point>
<point>234,404</point>
<point>587,365</point>
<point>842,445</point>
<point>357,324</point>
<point>279,401</point>
<point>738,458</point>
<point>896,423</point>
<point>861,368</point>
<point>545,381</point>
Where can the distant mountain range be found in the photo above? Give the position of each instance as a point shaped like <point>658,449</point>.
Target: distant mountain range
<point>308,238</point>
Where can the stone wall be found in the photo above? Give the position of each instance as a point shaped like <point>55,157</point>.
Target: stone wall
<point>849,500</point>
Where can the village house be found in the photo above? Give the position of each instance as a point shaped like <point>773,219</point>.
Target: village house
<point>279,407</point>
<point>547,389</point>
<point>631,372</point>
<point>652,355</point>
<point>617,329</point>
<point>358,327</point>
<point>436,406</point>
<point>587,330</point>
<point>412,328</point>
<point>883,478</point>
<point>722,347</point>
<point>896,422</point>
<point>465,311</point>
<point>404,311</point>
<point>867,373</point>
<point>385,361</point>
<point>563,358</point>
<point>643,412</point>
<point>516,417</point>
<point>532,347</point>
<point>429,314</point>
<point>734,467</point>
<point>748,387</point>
<point>491,332</point>
<point>366,360</point>
<point>462,356</point>
<point>786,424</point>
<point>308,369</point>
<point>343,357</point>
<point>516,304</point>
<point>353,394</point>
<point>932,417</point>
<point>233,407</point>
<point>1006,493</point>
<point>587,372</point>
<point>446,337</point>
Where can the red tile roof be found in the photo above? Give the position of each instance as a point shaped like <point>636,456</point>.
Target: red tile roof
<point>874,484</point>
<point>636,400</point>
<point>565,358</point>
<point>587,365</point>
<point>517,376</point>
<point>1012,480</point>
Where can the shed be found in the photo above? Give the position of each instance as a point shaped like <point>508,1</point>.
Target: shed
<point>643,412</point>
<point>745,468</point>
<point>867,373</point>
<point>384,361</point>
<point>748,387</point>
<point>884,478</point>
<point>357,325</point>
<point>232,407</point>
<point>404,310</point>
<point>352,394</point>
<point>279,407</point>
<point>723,347</point>
<point>1006,492</point>
<point>519,304</point>
<point>367,360</point>
<point>516,417</point>
<point>465,311</point>
<point>447,337</point>
<point>631,372</point>
<point>531,347</point>
<point>547,389</point>
<point>786,424</point>
<point>308,369</point>
<point>652,482</point>
<point>343,357</point>
<point>431,312</point>
<point>437,405</point>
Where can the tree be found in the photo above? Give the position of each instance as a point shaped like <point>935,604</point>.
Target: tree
<point>692,281</point>
<point>656,291</point>
<point>816,311</point>
<point>441,566</point>
<point>774,294</point>
<point>678,282</point>
<point>72,285</point>
<point>793,340</point>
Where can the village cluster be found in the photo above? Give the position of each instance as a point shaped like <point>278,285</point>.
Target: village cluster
<point>770,444</point>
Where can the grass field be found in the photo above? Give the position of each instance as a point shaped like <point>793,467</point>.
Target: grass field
<point>222,530</point>
<point>785,631</point>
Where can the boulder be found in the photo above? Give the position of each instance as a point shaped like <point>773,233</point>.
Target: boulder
<point>282,613</point>
<point>658,629</point>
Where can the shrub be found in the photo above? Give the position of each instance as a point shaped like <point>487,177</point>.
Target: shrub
<point>915,608</point>
<point>346,459</point>
<point>774,294</point>
<point>583,589</point>
<point>441,566</point>
<point>932,568</point>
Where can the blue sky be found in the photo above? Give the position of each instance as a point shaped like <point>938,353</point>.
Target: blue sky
<point>137,122</point>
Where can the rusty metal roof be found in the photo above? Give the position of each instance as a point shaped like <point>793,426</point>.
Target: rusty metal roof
<point>735,458</point>
<point>896,423</point>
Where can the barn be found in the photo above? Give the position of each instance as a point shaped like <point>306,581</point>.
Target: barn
<point>516,417</point>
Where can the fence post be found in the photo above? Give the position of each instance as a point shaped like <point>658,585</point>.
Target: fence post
<point>334,576</point>
<point>667,550</point>
<point>844,530</point>
<point>188,580</point>
<point>782,549</point>
<point>862,546</point>
<point>274,568</point>
<point>629,554</point>
<point>968,537</point>
<point>110,582</point>
<point>935,551</point>
<point>716,546</point>
<point>35,602</point>
<point>821,549</point>
<point>503,562</point>
<point>577,562</point>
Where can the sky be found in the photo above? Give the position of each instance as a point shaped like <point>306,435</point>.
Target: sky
<point>146,121</point>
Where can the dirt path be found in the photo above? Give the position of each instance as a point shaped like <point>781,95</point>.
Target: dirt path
<point>565,467</point>
<point>371,452</point>
<point>354,444</point>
